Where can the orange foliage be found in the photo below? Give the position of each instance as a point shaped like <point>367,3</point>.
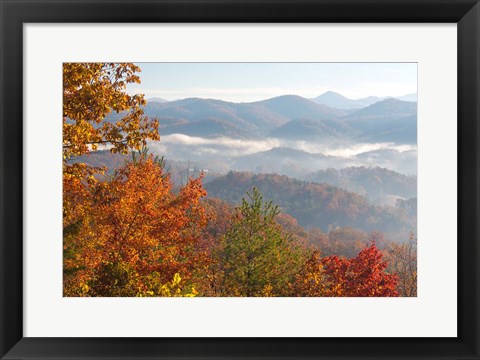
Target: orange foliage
<point>310,281</point>
<point>130,234</point>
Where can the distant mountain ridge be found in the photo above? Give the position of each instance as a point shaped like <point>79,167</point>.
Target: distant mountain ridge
<point>390,120</point>
<point>287,117</point>
<point>307,129</point>
<point>256,118</point>
<point>339,101</point>
<point>388,108</point>
<point>294,107</point>
<point>386,121</point>
<point>336,100</point>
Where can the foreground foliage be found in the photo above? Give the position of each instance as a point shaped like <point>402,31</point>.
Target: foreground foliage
<point>130,235</point>
<point>92,91</point>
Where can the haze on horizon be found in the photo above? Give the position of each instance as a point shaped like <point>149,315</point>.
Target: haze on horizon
<point>249,82</point>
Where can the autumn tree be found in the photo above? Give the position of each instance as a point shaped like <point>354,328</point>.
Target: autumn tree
<point>258,259</point>
<point>402,260</point>
<point>209,272</point>
<point>132,236</point>
<point>297,233</point>
<point>91,92</point>
<point>345,242</point>
<point>361,276</point>
<point>310,280</point>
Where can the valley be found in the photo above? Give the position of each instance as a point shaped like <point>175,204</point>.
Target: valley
<point>327,167</point>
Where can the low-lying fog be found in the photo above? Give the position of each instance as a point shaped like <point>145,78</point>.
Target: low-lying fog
<point>283,156</point>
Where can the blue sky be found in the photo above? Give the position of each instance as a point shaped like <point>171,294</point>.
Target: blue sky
<point>243,82</point>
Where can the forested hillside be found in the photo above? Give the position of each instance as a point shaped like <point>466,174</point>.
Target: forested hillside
<point>372,182</point>
<point>315,205</point>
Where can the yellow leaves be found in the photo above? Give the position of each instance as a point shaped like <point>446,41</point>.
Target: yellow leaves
<point>192,293</point>
<point>173,289</point>
<point>84,288</point>
<point>268,291</point>
<point>91,92</point>
<point>310,281</point>
<point>176,279</point>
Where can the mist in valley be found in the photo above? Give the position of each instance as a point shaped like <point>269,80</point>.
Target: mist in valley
<point>287,157</point>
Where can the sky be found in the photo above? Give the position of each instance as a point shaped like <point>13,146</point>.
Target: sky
<point>245,82</point>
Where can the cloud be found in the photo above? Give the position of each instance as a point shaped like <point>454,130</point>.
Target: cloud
<point>355,149</point>
<point>221,154</point>
<point>228,147</point>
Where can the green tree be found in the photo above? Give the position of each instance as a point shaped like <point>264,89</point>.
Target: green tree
<point>259,259</point>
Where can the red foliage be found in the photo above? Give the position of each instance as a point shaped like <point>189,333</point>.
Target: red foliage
<point>361,276</point>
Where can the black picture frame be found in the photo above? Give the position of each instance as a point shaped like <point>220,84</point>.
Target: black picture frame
<point>14,13</point>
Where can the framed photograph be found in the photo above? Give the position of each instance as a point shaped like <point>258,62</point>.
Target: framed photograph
<point>239,179</point>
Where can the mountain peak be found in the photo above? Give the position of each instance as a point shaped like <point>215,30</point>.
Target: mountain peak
<point>294,106</point>
<point>331,94</point>
<point>336,100</point>
<point>157,100</point>
<point>291,97</point>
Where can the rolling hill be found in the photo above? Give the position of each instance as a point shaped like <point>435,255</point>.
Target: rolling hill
<point>306,129</point>
<point>315,205</point>
<point>390,120</point>
<point>382,111</point>
<point>288,117</point>
<point>295,107</point>
<point>245,119</point>
<point>400,131</point>
<point>222,118</point>
<point>387,121</point>
<point>373,182</point>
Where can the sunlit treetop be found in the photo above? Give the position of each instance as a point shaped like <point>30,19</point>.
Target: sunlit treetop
<point>91,92</point>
